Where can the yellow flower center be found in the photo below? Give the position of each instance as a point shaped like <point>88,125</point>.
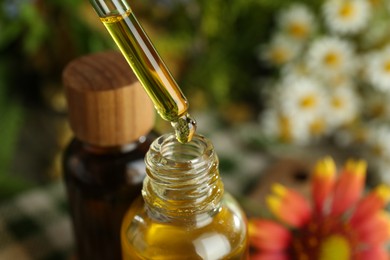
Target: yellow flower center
<point>279,55</point>
<point>317,127</point>
<point>332,59</point>
<point>387,66</point>
<point>375,2</point>
<point>347,10</point>
<point>378,110</point>
<point>308,101</point>
<point>298,30</point>
<point>335,247</point>
<point>361,135</point>
<point>285,128</point>
<point>337,102</point>
<point>324,239</point>
<point>377,150</point>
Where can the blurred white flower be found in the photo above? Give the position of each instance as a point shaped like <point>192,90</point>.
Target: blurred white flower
<point>280,50</point>
<point>355,133</point>
<point>377,106</point>
<point>382,168</point>
<point>344,137</point>
<point>378,69</point>
<point>377,34</point>
<point>284,128</point>
<point>321,84</point>
<point>296,69</point>
<point>346,16</point>
<point>344,106</point>
<point>304,96</point>
<point>331,57</point>
<point>379,140</point>
<point>297,21</point>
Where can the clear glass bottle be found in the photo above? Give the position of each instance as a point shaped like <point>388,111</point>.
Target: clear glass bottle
<point>112,119</point>
<point>184,213</point>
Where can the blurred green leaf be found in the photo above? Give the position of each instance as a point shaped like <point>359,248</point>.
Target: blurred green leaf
<point>36,28</point>
<point>9,32</point>
<point>11,116</point>
<point>11,186</point>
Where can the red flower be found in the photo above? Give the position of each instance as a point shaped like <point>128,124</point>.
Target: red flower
<point>339,225</point>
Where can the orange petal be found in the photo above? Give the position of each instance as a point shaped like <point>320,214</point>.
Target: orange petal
<point>268,235</point>
<point>288,206</point>
<point>348,187</point>
<point>375,230</point>
<point>322,182</point>
<point>268,256</point>
<point>371,204</point>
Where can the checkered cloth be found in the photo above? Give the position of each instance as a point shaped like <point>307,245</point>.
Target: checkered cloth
<point>36,225</point>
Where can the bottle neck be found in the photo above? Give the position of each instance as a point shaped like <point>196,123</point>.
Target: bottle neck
<point>182,180</point>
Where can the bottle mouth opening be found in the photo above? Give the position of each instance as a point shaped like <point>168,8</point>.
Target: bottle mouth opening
<point>182,179</point>
<point>176,154</point>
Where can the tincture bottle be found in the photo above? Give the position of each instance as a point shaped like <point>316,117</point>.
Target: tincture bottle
<point>112,120</point>
<point>184,212</point>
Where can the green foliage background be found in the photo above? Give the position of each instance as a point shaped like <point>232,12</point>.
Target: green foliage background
<point>219,42</point>
<point>37,39</point>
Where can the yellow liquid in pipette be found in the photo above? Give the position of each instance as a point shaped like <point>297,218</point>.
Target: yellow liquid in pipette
<point>151,71</point>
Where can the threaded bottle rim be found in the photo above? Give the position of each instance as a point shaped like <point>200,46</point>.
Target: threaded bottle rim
<point>182,179</point>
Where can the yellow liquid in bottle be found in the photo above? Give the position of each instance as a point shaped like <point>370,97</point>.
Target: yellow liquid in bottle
<point>209,238</point>
<point>151,71</point>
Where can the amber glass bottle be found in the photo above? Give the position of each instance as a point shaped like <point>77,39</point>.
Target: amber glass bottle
<point>184,213</point>
<point>111,117</point>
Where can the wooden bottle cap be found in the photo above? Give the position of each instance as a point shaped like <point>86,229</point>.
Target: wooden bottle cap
<point>107,105</point>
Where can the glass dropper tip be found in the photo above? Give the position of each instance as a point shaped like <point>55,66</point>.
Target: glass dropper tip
<point>185,128</point>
